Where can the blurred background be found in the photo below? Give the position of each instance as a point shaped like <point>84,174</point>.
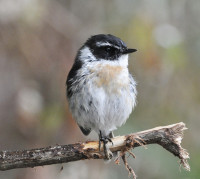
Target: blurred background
<point>38,42</point>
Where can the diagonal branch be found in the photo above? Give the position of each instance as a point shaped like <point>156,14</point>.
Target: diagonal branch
<point>169,137</point>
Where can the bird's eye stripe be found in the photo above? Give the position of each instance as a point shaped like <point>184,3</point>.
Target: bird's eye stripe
<point>100,44</point>
<point>103,44</point>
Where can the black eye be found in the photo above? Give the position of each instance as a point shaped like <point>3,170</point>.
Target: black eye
<point>107,48</point>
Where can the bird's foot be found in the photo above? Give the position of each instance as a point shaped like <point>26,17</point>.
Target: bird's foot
<point>107,152</point>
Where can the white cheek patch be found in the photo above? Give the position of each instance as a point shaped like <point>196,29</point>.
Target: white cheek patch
<point>86,55</point>
<point>123,60</point>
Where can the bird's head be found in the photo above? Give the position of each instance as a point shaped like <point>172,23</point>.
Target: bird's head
<point>104,48</point>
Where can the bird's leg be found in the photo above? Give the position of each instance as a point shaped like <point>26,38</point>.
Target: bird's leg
<point>115,154</point>
<point>100,137</point>
<point>105,140</point>
<point>111,135</point>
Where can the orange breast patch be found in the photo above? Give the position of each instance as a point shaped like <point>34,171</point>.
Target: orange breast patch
<point>110,77</point>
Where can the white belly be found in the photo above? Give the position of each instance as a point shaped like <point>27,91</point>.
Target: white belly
<point>113,109</point>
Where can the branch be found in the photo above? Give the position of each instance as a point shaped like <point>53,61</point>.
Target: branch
<point>168,137</point>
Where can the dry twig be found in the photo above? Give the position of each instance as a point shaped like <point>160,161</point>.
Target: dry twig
<point>168,137</point>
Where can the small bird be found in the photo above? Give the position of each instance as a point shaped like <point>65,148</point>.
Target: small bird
<point>100,90</point>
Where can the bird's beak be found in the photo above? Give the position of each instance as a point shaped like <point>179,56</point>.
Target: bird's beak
<point>129,50</point>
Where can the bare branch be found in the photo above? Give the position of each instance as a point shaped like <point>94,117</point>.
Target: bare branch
<point>168,137</point>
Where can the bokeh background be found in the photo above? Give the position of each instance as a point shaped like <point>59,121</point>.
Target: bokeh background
<point>38,42</point>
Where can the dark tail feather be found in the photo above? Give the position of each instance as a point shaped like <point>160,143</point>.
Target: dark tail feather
<point>85,131</point>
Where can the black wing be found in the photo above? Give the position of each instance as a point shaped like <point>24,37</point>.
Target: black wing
<point>72,76</point>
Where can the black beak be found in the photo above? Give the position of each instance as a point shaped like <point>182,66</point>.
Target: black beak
<point>129,50</point>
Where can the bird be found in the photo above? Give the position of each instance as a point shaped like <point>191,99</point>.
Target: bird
<point>100,90</point>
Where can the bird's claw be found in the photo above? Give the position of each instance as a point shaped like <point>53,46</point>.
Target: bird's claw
<point>107,152</point>
<point>105,140</point>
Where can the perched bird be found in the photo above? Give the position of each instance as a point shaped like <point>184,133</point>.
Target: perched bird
<point>100,90</point>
